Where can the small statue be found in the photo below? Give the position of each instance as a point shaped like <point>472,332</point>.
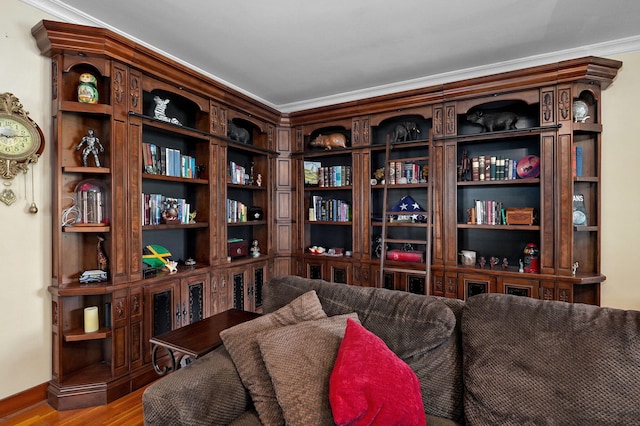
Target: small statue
<point>482,262</point>
<point>170,212</point>
<point>171,265</point>
<point>93,146</point>
<point>505,264</point>
<point>465,166</point>
<point>521,268</point>
<point>103,260</point>
<point>259,179</point>
<point>159,111</point>
<point>88,89</point>
<point>255,250</point>
<point>574,268</point>
<point>192,217</point>
<point>493,262</point>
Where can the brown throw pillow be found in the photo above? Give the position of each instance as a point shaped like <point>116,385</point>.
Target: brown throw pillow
<point>299,359</point>
<point>241,343</point>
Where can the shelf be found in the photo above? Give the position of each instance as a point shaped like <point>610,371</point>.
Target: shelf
<point>587,128</point>
<point>528,181</point>
<point>176,226</point>
<point>502,134</point>
<point>402,224</point>
<point>83,169</point>
<point>95,373</point>
<point>380,186</point>
<point>585,228</point>
<point>326,222</point>
<point>248,187</point>
<point>74,106</point>
<point>500,227</point>
<point>86,228</point>
<point>152,176</point>
<point>78,335</point>
<point>329,188</point>
<point>590,179</point>
<point>248,223</point>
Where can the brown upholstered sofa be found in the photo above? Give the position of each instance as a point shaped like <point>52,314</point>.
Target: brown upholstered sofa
<point>494,359</point>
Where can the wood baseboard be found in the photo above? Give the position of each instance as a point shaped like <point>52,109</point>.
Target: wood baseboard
<point>25,399</point>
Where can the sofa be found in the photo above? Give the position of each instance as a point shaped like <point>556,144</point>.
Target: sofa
<point>493,359</point>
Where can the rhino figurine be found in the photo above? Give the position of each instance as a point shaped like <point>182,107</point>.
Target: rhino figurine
<point>328,142</point>
<point>491,121</point>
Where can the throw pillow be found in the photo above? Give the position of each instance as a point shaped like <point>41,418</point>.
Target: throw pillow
<point>370,385</point>
<point>241,343</point>
<point>299,359</point>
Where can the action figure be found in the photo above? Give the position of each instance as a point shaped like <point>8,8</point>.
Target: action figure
<point>93,146</point>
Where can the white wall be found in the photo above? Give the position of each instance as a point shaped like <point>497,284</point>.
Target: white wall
<point>620,189</point>
<point>25,239</point>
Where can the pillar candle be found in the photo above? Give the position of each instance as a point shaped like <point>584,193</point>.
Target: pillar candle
<point>90,319</point>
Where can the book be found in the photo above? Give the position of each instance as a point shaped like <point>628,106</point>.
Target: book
<point>311,172</point>
<point>475,168</point>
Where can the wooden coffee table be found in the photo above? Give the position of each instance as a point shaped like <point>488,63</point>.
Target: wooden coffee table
<point>196,339</point>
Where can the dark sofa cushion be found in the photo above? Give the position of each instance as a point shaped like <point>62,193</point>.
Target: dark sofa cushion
<point>242,344</point>
<point>207,391</point>
<point>540,362</point>
<point>421,330</point>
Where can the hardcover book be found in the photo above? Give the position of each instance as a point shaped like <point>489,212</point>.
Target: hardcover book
<point>311,172</point>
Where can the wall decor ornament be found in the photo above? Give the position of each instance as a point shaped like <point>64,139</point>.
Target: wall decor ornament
<point>21,143</point>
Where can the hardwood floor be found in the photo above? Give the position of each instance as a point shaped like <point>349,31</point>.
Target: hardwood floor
<point>125,411</point>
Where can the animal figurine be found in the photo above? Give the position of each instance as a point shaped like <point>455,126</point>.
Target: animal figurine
<point>236,133</point>
<point>88,89</point>
<point>406,131</point>
<point>103,261</point>
<point>491,121</point>
<point>379,175</point>
<point>328,142</point>
<point>159,111</point>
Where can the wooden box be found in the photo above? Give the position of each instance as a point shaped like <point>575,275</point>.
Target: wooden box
<point>520,216</point>
<point>238,248</point>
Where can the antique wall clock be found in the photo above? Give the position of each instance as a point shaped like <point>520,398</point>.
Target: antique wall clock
<point>21,143</point>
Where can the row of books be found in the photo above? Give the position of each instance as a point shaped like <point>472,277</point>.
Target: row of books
<point>491,167</point>
<point>167,161</point>
<point>237,211</point>
<point>487,212</point>
<point>329,210</point>
<point>326,176</point>
<point>401,172</point>
<point>158,209</point>
<point>238,174</point>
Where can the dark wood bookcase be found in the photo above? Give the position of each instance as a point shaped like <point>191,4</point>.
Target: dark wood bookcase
<point>134,305</point>
<point>181,156</point>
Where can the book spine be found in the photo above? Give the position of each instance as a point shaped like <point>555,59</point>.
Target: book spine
<point>493,163</point>
<point>578,161</point>
<point>481,167</point>
<point>475,168</point>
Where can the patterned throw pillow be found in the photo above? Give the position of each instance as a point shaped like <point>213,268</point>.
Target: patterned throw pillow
<point>241,343</point>
<point>299,359</point>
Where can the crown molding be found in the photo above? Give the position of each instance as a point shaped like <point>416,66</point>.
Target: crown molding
<point>615,47</point>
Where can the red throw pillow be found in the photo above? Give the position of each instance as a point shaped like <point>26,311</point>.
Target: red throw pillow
<point>370,385</point>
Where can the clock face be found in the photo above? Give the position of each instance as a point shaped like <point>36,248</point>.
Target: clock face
<point>18,140</point>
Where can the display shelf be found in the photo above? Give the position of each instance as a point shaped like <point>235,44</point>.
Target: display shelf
<point>78,335</point>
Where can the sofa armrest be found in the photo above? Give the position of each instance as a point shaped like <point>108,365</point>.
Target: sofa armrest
<point>207,391</point>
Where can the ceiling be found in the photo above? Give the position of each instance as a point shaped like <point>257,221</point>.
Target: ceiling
<point>295,54</point>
